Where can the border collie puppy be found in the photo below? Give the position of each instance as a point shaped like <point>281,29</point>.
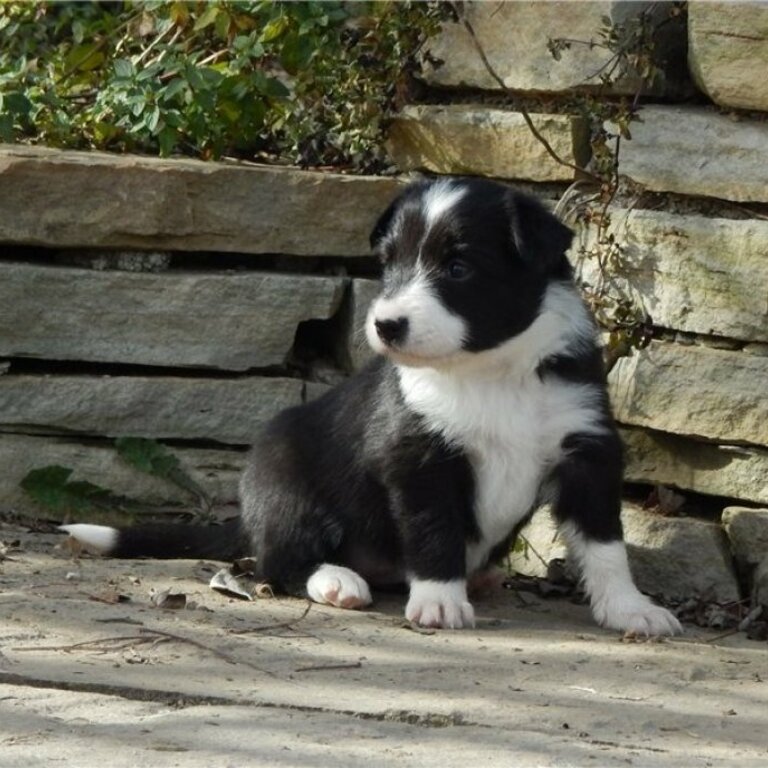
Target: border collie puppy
<point>487,399</point>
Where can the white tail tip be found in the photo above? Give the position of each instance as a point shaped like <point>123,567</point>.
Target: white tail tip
<point>98,538</point>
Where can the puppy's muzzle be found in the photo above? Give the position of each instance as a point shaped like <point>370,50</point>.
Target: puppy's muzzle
<point>392,331</point>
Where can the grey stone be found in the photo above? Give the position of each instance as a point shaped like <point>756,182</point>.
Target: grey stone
<point>693,391</point>
<point>232,321</point>
<point>226,410</point>
<point>216,471</point>
<point>64,199</point>
<point>732,471</point>
<point>691,273</point>
<point>477,140</point>
<point>747,531</point>
<point>679,557</point>
<point>357,350</point>
<point>757,348</point>
<point>728,50</point>
<point>669,557</point>
<point>696,151</point>
<point>760,585</point>
<point>514,37</point>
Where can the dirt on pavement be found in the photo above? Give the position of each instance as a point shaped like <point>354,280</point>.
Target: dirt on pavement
<point>94,673</point>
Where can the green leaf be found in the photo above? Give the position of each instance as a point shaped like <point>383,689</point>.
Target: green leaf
<point>51,488</point>
<point>17,103</point>
<point>274,29</point>
<point>147,456</point>
<point>208,17</point>
<point>124,68</point>
<point>84,58</point>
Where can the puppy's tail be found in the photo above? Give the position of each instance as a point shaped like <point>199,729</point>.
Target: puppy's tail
<point>167,542</point>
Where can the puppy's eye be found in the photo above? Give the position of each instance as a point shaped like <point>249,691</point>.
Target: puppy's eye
<point>457,269</point>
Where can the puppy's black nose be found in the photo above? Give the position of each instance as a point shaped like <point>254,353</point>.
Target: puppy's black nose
<point>392,331</point>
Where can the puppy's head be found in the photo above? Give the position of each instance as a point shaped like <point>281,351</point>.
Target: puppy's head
<point>466,263</point>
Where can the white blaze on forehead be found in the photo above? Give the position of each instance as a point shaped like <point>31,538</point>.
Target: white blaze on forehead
<point>440,198</point>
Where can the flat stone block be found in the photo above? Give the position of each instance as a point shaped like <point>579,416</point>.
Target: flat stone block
<point>227,410</point>
<point>728,51</point>
<point>216,471</point>
<point>669,557</point>
<point>232,321</point>
<point>476,140</point>
<point>356,347</point>
<point>694,391</point>
<point>679,557</point>
<point>93,199</point>
<point>747,531</point>
<point>690,273</point>
<point>515,36</point>
<point>732,471</point>
<point>696,151</point>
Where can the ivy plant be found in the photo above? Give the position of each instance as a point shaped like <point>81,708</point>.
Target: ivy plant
<point>300,82</point>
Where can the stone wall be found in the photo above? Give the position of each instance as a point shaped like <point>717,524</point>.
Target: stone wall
<point>188,301</point>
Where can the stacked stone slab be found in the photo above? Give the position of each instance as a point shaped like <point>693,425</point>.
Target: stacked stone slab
<point>98,342</point>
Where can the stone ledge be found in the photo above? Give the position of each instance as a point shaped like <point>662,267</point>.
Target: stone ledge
<point>728,51</point>
<point>92,199</point>
<point>227,410</point>
<point>747,531</point>
<point>232,321</point>
<point>694,391</point>
<point>670,557</point>
<point>732,471</point>
<point>216,471</point>
<point>476,140</point>
<point>696,151</point>
<point>690,273</point>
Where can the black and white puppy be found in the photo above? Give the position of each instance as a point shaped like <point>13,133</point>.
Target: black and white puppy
<point>487,400</point>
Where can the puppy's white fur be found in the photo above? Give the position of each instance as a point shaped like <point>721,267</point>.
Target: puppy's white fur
<point>96,538</point>
<point>440,604</point>
<point>339,586</point>
<point>616,602</point>
<point>434,332</point>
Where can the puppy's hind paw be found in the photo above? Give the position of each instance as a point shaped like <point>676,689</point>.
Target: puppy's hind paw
<point>338,586</point>
<point>440,604</point>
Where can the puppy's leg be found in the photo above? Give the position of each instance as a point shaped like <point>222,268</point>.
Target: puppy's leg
<point>431,500</point>
<point>588,504</point>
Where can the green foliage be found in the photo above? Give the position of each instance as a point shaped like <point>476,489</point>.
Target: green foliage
<point>305,82</point>
<point>147,456</point>
<point>51,488</point>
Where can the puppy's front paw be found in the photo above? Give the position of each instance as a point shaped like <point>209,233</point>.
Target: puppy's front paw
<point>440,604</point>
<point>635,614</point>
<point>339,586</point>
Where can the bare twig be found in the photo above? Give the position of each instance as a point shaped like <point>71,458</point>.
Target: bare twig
<point>582,172</point>
<point>316,667</point>
<point>269,627</point>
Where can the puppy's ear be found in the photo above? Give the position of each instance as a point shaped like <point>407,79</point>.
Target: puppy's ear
<point>538,235</point>
<point>383,224</point>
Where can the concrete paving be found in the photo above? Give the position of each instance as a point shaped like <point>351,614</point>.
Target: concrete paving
<point>92,674</point>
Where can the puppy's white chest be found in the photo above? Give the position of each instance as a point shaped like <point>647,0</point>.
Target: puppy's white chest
<point>512,433</point>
